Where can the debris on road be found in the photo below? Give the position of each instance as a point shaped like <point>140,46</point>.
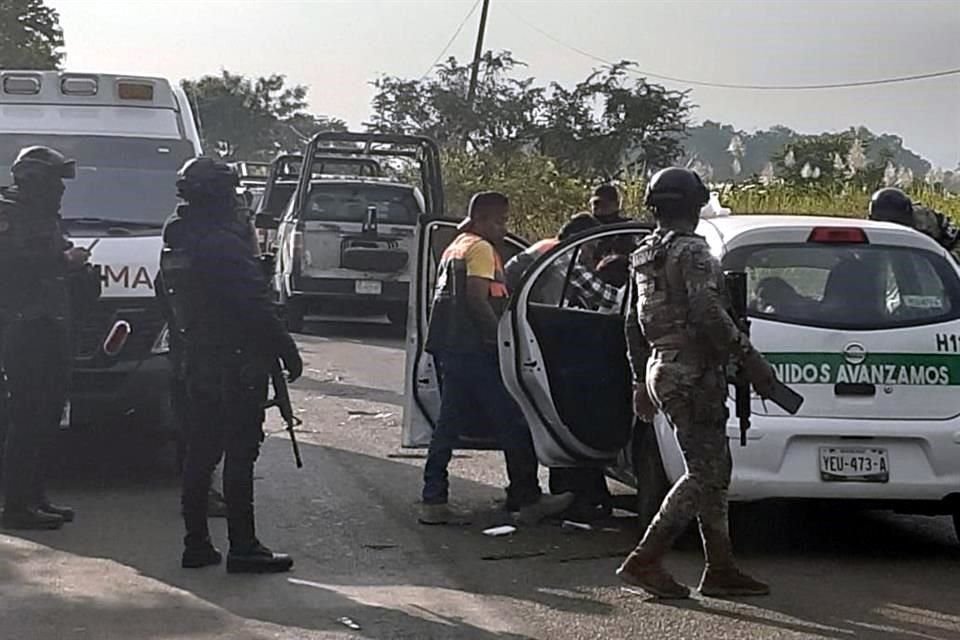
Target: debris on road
<point>503,530</point>
<point>580,526</point>
<point>350,624</point>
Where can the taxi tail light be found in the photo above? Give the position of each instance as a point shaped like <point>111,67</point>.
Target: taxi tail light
<point>117,338</point>
<point>838,235</point>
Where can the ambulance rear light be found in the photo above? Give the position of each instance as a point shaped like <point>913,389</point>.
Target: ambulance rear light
<point>117,338</point>
<point>134,90</point>
<point>22,85</point>
<point>78,86</point>
<point>838,235</point>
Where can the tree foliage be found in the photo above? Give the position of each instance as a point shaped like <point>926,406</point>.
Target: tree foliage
<point>252,119</point>
<point>30,35</point>
<point>597,129</point>
<point>708,145</point>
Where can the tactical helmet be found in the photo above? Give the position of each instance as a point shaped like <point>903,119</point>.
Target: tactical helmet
<point>891,205</point>
<point>676,186</point>
<point>42,163</point>
<point>204,180</point>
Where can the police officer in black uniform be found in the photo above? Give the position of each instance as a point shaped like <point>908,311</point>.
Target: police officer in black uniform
<point>35,261</point>
<point>223,311</point>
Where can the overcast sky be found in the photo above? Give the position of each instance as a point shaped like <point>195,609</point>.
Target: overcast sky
<point>337,48</point>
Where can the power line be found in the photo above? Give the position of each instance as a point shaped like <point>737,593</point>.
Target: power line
<point>746,87</point>
<point>451,41</point>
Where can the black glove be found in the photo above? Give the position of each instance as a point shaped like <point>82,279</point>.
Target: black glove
<point>292,362</point>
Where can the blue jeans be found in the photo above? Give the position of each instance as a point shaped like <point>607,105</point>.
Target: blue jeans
<point>471,383</point>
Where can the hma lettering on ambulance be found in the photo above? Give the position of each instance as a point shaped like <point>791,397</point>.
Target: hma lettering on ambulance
<point>888,369</point>
<point>122,277</point>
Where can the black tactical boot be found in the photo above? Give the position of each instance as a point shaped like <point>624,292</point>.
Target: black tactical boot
<point>30,519</point>
<point>256,558</point>
<point>201,554</point>
<point>64,512</point>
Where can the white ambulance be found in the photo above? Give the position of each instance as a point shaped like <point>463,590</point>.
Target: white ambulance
<point>129,135</point>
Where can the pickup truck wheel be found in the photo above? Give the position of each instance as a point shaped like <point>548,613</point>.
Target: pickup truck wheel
<point>652,483</point>
<point>294,312</point>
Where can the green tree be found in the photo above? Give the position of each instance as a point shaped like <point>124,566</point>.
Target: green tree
<point>607,125</point>
<point>30,35</point>
<point>598,128</point>
<point>252,119</point>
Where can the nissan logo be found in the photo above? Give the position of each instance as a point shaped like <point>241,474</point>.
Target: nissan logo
<point>854,353</point>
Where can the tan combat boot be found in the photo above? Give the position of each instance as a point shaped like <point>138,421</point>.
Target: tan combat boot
<point>730,581</point>
<point>644,569</point>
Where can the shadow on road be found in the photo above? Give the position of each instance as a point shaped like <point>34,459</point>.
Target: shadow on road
<point>349,520</point>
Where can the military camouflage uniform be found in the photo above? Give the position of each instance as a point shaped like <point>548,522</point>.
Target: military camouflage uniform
<point>681,338</point>
<point>939,227</point>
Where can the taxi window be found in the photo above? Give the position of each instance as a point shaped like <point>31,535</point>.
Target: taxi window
<point>848,286</point>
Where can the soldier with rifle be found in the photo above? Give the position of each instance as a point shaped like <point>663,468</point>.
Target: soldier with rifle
<point>681,337</point>
<point>233,338</point>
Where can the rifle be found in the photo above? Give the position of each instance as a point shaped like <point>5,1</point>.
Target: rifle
<point>782,396</point>
<point>281,400</point>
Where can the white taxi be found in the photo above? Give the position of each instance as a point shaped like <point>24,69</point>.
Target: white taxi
<point>862,318</point>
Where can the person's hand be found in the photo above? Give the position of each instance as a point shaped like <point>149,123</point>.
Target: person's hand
<point>292,362</point>
<point>77,257</point>
<point>760,374</point>
<point>643,405</point>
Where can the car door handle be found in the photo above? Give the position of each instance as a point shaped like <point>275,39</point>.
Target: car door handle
<point>530,363</point>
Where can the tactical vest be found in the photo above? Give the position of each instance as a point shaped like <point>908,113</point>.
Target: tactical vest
<point>451,325</point>
<point>33,268</point>
<point>661,296</point>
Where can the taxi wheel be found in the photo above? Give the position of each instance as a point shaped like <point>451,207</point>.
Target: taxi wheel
<point>652,483</point>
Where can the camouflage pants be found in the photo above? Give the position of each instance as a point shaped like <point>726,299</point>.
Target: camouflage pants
<point>694,401</point>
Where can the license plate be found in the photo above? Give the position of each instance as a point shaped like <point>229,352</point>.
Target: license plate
<point>368,287</point>
<point>844,464</point>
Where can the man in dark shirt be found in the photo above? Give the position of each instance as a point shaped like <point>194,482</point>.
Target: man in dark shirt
<point>612,253</point>
<point>470,295</point>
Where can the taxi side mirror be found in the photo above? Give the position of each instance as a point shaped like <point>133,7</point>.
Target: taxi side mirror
<point>266,221</point>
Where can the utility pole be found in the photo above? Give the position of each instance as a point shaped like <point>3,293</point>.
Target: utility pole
<point>477,53</point>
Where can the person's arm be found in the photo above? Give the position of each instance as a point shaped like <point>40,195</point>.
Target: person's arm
<point>478,302</point>
<point>233,279</point>
<point>595,293</point>
<point>638,349</point>
<point>700,272</point>
<point>481,271</point>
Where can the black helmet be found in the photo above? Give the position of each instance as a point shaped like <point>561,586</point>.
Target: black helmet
<point>205,180</point>
<point>678,187</point>
<point>891,205</point>
<point>42,163</point>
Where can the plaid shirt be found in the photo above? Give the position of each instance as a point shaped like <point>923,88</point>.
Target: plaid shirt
<point>587,289</point>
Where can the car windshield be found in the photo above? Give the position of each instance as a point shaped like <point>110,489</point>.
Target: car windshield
<point>848,286</point>
<point>349,202</point>
<point>118,178</point>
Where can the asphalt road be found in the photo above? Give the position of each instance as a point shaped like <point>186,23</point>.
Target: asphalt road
<point>349,518</point>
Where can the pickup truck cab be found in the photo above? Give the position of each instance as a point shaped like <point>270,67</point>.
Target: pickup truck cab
<point>344,242</point>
